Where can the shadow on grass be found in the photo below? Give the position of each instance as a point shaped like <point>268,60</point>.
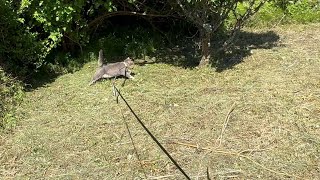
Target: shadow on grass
<point>244,43</point>
<point>40,79</point>
<point>188,54</point>
<point>49,73</point>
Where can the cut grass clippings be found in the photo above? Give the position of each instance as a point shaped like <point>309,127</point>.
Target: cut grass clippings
<point>257,120</point>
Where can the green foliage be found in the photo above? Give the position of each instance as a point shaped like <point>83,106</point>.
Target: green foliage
<point>304,11</point>
<point>52,19</point>
<point>60,23</point>
<point>19,50</point>
<point>268,15</point>
<point>11,94</point>
<point>284,11</point>
<point>282,4</point>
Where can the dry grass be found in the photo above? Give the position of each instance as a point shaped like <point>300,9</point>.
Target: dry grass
<point>72,131</point>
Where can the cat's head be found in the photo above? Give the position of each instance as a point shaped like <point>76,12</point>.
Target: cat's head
<point>129,62</point>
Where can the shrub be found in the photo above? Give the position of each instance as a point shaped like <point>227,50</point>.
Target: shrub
<point>20,53</point>
<point>304,11</point>
<point>268,15</point>
<point>11,94</point>
<point>298,11</point>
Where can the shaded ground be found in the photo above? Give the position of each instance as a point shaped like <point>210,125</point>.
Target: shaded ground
<point>188,55</point>
<point>72,131</point>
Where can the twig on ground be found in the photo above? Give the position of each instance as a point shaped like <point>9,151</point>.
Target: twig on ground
<point>252,150</point>
<point>162,177</point>
<point>278,21</point>
<point>225,124</point>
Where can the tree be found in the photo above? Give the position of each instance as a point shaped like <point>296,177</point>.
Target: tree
<point>210,15</point>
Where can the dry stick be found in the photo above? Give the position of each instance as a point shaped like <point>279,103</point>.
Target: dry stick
<point>226,121</point>
<point>278,21</point>
<point>253,150</point>
<point>239,155</point>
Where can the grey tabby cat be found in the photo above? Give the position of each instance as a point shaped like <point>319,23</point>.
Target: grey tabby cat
<point>112,69</point>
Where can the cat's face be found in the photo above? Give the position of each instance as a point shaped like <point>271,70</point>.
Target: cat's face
<point>129,62</point>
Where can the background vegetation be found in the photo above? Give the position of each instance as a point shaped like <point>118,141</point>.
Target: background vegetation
<point>11,94</point>
<point>287,12</point>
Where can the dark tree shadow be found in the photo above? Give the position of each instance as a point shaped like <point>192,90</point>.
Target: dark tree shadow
<point>40,79</point>
<point>242,47</point>
<point>187,54</point>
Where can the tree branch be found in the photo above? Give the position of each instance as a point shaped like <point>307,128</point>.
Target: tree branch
<point>125,13</point>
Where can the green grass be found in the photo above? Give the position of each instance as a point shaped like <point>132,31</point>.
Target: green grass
<point>70,130</point>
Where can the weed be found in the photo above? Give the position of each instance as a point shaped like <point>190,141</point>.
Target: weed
<point>11,95</point>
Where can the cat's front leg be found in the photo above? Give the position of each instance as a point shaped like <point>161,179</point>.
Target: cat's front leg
<point>128,75</point>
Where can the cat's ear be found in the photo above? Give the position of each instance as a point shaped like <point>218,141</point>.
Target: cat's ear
<point>129,60</point>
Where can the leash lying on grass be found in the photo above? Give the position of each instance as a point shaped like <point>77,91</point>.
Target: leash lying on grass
<point>117,94</point>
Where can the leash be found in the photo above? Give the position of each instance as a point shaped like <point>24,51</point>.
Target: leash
<point>117,94</point>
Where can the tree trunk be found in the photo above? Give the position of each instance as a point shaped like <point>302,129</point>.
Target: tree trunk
<point>205,47</point>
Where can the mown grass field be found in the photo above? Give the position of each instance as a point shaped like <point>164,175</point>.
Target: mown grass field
<point>259,119</point>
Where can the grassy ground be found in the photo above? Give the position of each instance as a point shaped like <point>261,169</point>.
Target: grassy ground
<point>257,120</point>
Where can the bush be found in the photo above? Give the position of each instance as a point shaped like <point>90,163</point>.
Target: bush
<point>20,53</point>
<point>11,94</point>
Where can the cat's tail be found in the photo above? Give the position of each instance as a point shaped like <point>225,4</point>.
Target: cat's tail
<point>101,58</point>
